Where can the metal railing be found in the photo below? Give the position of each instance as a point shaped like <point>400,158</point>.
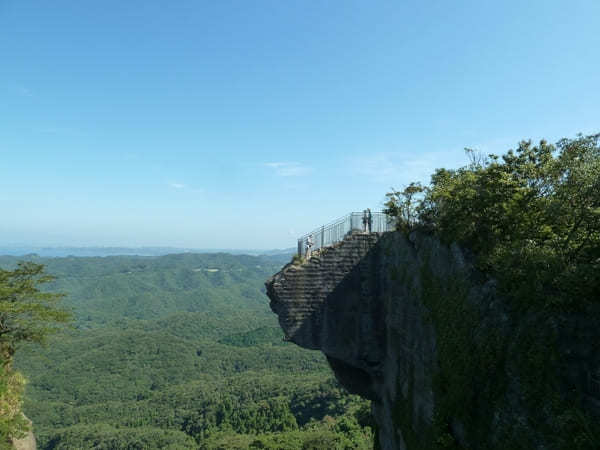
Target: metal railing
<point>337,230</point>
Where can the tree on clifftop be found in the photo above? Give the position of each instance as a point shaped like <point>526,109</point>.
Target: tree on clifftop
<point>27,314</point>
<point>531,216</point>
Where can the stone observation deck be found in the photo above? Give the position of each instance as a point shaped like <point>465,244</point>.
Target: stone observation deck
<point>345,301</point>
<point>335,231</point>
<point>301,290</point>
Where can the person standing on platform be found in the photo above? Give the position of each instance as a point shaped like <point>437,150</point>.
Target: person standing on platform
<point>369,220</point>
<point>309,245</point>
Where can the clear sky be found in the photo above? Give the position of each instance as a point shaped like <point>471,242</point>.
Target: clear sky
<point>242,124</point>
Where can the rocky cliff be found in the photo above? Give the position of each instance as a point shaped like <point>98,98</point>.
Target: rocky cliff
<point>408,323</point>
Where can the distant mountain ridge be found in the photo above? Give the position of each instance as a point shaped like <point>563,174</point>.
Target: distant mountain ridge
<point>59,251</point>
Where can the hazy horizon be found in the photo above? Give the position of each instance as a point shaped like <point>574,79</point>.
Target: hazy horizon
<point>18,250</point>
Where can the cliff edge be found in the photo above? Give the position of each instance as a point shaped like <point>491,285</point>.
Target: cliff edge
<point>408,323</point>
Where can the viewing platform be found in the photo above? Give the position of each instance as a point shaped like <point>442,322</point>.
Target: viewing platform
<point>337,230</point>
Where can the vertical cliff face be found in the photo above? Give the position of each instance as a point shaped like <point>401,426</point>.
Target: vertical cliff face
<point>409,324</point>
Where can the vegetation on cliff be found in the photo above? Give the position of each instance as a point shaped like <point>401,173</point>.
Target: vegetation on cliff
<point>27,314</point>
<point>531,219</point>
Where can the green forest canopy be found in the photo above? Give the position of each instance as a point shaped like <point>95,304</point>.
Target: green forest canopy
<point>180,349</point>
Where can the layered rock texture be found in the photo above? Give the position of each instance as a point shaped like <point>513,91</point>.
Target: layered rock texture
<point>408,323</point>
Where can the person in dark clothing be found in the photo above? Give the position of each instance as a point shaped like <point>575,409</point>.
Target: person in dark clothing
<point>369,220</point>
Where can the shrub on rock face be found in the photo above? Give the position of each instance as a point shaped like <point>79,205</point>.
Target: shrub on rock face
<point>297,260</point>
<point>12,423</point>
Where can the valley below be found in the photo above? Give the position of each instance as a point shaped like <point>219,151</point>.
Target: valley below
<point>179,352</point>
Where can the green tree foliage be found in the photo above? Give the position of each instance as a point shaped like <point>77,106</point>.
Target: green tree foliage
<point>531,216</point>
<point>27,314</point>
<point>405,205</point>
<point>261,335</point>
<point>105,437</point>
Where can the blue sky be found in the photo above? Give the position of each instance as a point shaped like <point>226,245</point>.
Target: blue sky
<point>237,124</point>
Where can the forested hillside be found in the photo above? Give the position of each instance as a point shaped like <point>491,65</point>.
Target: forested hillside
<point>180,351</point>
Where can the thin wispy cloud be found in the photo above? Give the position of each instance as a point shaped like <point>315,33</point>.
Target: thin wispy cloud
<point>20,90</point>
<point>396,169</point>
<point>289,169</point>
<point>184,187</point>
<point>25,92</point>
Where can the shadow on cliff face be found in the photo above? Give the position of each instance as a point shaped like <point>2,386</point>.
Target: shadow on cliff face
<point>331,303</point>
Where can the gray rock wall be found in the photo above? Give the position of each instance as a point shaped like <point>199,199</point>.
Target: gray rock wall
<point>390,312</point>
<point>345,303</point>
